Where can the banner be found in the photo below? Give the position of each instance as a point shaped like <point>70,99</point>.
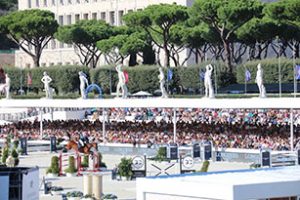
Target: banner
<point>297,72</point>
<point>170,74</point>
<point>126,76</point>
<point>247,75</point>
<point>201,75</point>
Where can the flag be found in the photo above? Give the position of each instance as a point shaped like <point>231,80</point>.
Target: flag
<point>170,74</point>
<point>247,75</point>
<point>29,79</point>
<point>201,75</point>
<point>126,76</point>
<point>297,72</point>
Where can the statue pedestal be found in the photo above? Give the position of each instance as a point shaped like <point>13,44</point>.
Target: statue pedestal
<point>92,183</point>
<point>97,185</point>
<point>87,184</point>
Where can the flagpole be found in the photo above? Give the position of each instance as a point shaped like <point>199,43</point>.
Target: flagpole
<point>295,73</point>
<point>215,72</point>
<point>279,67</point>
<point>245,81</point>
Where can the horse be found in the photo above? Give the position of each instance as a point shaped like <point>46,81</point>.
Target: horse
<point>86,149</point>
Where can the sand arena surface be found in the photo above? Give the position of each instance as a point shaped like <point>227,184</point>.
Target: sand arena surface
<point>123,189</point>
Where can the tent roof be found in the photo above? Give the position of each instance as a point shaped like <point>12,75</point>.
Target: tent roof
<point>154,103</point>
<point>142,93</point>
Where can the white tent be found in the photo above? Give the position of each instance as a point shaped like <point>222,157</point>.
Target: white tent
<point>142,93</point>
<point>229,185</point>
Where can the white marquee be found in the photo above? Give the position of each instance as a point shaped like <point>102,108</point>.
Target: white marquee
<point>229,185</point>
<point>286,103</point>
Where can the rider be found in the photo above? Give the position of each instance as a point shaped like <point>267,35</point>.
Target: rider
<point>83,139</point>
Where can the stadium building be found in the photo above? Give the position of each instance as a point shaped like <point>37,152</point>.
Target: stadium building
<point>70,11</point>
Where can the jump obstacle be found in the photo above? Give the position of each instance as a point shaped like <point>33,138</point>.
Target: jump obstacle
<point>64,162</point>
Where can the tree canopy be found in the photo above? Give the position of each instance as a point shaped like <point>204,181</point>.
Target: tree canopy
<point>225,17</point>
<point>30,28</point>
<point>157,20</point>
<point>84,35</point>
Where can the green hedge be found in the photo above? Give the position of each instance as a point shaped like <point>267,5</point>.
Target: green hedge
<point>271,72</point>
<point>65,78</point>
<point>145,77</point>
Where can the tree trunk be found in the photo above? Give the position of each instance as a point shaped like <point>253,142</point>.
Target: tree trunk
<point>296,49</point>
<point>167,56</point>
<point>37,56</point>
<point>132,59</point>
<point>226,45</point>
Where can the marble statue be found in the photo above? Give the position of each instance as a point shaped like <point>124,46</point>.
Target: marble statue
<point>259,81</point>
<point>83,83</point>
<point>122,82</point>
<point>7,86</point>
<point>46,80</point>
<point>162,81</point>
<point>209,90</point>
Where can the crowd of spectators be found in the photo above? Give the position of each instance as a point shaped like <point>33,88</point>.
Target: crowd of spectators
<point>226,128</point>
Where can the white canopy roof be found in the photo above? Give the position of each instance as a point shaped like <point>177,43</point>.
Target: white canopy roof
<point>142,93</point>
<point>234,185</point>
<point>154,103</point>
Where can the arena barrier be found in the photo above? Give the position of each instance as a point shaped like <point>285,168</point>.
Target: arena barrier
<point>64,163</point>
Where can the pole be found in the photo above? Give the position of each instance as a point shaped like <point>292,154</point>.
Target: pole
<point>279,67</point>
<point>215,72</point>
<point>41,123</point>
<point>292,129</point>
<point>295,73</point>
<point>110,89</point>
<point>174,125</point>
<point>245,81</point>
<point>103,124</point>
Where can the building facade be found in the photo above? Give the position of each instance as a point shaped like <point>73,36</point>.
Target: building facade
<point>70,11</point>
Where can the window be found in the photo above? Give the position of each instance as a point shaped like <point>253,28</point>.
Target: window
<point>61,45</point>
<point>129,11</point>
<point>37,3</point>
<point>112,17</point>
<point>77,17</point>
<point>61,20</point>
<point>53,2</point>
<point>69,19</point>
<point>94,16</point>
<point>78,1</point>
<point>51,64</point>
<point>29,3</point>
<point>86,16</point>
<point>43,64</point>
<point>45,3</point>
<point>69,1</point>
<point>103,16</point>
<point>62,2</point>
<point>121,13</point>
